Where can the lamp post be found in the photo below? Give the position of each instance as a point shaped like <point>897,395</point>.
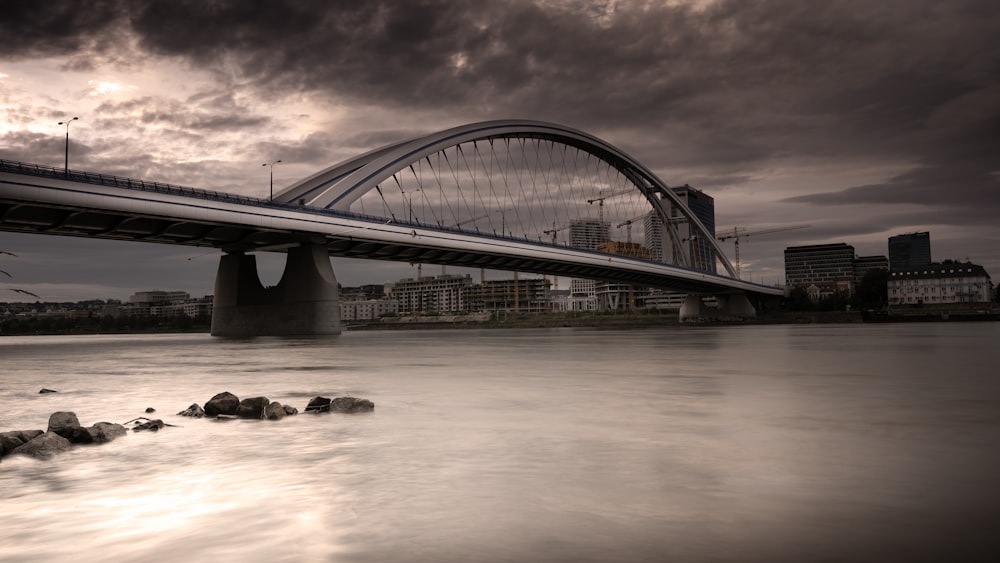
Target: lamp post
<point>272,176</point>
<point>66,160</point>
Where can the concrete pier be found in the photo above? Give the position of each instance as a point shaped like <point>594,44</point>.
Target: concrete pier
<point>732,308</point>
<point>305,302</point>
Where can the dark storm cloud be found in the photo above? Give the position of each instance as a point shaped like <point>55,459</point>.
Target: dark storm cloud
<point>730,84</point>
<point>729,91</point>
<point>30,28</point>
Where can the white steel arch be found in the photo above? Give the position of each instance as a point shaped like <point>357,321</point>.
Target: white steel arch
<point>340,185</point>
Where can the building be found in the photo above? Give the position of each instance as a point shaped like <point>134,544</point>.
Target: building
<point>588,233</point>
<point>367,309</point>
<point>616,296</point>
<point>363,292</point>
<point>822,265</point>
<point>953,282</point>
<point>655,237</point>
<point>865,264</point>
<point>431,294</point>
<point>700,252</point>
<point>631,249</point>
<point>523,295</point>
<point>158,296</point>
<point>582,295</point>
<point>909,251</point>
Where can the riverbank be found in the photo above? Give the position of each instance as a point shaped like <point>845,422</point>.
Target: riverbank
<point>600,320</point>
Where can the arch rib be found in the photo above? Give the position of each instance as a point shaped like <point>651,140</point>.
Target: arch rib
<point>340,185</point>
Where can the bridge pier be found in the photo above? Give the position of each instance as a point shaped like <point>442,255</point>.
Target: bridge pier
<point>732,307</point>
<point>305,302</point>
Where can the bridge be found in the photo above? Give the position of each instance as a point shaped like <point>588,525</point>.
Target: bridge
<point>522,196</point>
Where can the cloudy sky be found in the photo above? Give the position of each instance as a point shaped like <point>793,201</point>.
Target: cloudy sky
<point>862,119</point>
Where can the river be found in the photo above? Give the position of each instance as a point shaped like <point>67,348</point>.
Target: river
<point>744,443</point>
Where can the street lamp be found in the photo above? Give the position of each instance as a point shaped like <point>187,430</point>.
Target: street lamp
<point>66,161</point>
<point>409,203</point>
<point>272,176</point>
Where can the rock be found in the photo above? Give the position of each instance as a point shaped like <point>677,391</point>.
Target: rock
<point>46,390</point>
<point>351,405</point>
<point>318,404</point>
<point>153,425</point>
<point>11,440</point>
<point>252,408</point>
<point>44,446</point>
<point>150,409</point>
<point>290,410</point>
<point>274,411</point>
<point>68,426</point>
<point>194,410</point>
<point>223,403</point>
<point>104,432</point>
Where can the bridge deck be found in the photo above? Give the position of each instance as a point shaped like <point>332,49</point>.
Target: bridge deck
<point>44,200</point>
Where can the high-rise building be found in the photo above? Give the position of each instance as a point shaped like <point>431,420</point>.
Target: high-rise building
<point>588,233</point>
<point>655,236</point>
<point>690,249</point>
<point>701,253</point>
<point>911,250</point>
<point>865,264</point>
<point>820,265</point>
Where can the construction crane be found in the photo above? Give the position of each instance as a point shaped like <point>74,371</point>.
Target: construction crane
<point>740,232</point>
<point>600,202</point>
<point>628,226</point>
<point>554,231</point>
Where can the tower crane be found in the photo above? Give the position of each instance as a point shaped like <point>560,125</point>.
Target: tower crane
<point>600,202</point>
<point>628,225</point>
<point>740,232</point>
<point>554,231</point>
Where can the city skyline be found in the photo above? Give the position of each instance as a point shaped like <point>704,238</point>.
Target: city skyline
<point>863,121</point>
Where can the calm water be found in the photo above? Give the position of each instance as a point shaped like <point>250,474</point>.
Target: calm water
<point>766,443</point>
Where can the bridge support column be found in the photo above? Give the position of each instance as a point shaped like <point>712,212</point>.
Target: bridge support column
<point>733,307</point>
<point>305,302</point>
<point>736,307</point>
<point>693,310</point>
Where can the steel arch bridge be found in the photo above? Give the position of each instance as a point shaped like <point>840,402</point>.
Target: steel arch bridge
<point>520,179</point>
<point>512,195</point>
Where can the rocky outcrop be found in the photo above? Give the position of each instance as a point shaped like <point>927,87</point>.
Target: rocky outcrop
<point>153,425</point>
<point>104,432</point>
<point>43,446</point>
<point>9,441</point>
<point>68,426</point>
<point>274,411</point>
<point>318,404</point>
<point>194,411</point>
<point>224,403</point>
<point>64,429</point>
<point>348,405</point>
<point>252,408</point>
<point>351,405</point>
<point>46,390</point>
<point>64,432</point>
